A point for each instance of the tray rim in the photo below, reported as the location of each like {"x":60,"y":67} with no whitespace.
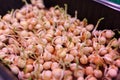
{"x":109,"y":4}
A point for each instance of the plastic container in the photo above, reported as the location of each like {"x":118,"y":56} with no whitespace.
{"x":90,"y":9}
{"x":114,"y":4}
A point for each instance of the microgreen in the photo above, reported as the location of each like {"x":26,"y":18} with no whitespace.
{"x":98,"y":22}
{"x":25,"y":1}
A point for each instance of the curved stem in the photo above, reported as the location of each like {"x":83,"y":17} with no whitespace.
{"x":98,"y":23}
{"x":25,"y":1}
{"x":109,"y":44}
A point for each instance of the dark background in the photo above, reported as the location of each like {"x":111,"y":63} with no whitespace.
{"x":92,"y":11}
{"x":86,"y":9}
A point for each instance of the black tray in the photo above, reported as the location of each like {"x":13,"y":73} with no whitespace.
{"x":86,"y":9}
{"x":91,"y":10}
